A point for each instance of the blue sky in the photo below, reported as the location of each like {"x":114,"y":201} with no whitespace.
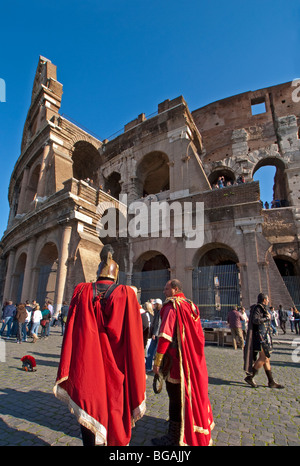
{"x":117,"y":59}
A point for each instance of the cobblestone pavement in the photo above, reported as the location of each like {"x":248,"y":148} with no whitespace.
{"x":31,"y":415}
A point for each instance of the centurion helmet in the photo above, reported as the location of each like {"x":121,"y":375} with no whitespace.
{"x":108,"y":268}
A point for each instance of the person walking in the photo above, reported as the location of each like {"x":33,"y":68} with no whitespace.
{"x":8,"y":315}
{"x":296,"y":314}
{"x":244,"y":321}
{"x":274,"y":320}
{"x":45,"y":322}
{"x":21,"y":314}
{"x":283,"y":317}
{"x":101,"y":373}
{"x":259,"y":343}
{"x":63,"y":316}
{"x":181,"y":345}
{"x":154,"y":330}
{"x":36,"y":318}
{"x":234,"y":319}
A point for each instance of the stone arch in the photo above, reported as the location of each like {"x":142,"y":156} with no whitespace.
{"x":280,"y":189}
{"x":151,"y":271}
{"x":86,"y":162}
{"x":215,"y":254}
{"x":222,"y":171}
{"x":112,"y":184}
{"x":216,"y":280}
{"x":152,"y":174}
{"x":46,"y":270}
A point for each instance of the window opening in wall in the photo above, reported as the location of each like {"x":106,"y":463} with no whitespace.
{"x":258,"y":106}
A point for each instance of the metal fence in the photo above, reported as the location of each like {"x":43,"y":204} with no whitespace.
{"x":151,"y":283}
{"x":216,"y":290}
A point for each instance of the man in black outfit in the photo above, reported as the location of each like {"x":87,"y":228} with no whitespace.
{"x":259,"y":345}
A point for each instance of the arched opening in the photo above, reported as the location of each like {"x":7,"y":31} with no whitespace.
{"x":289,"y":272}
{"x":216,"y":281}
{"x":150,"y":274}
{"x":47,"y":264}
{"x":112,"y":185}
{"x":273,"y":190}
{"x":86,"y":162}
{"x":153,"y":174}
{"x":221,"y":178}
{"x":18,"y":278}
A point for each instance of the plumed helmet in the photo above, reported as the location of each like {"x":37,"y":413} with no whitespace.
{"x":108,"y":268}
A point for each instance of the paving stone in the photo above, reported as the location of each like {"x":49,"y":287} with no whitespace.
{"x":31,"y":415}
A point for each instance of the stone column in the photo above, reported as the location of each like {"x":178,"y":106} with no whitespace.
{"x":62,"y":267}
{"x":42,"y":177}
{"x":22,"y":197}
{"x":10,"y":268}
{"x":26,"y":289}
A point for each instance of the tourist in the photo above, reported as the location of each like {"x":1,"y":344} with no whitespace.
{"x":274,"y":320}
{"x":244,"y":321}
{"x":63,"y":316}
{"x":154,"y":331}
{"x":296,"y":314}
{"x":101,"y":374}
{"x":259,"y":343}
{"x":181,"y":331}
{"x":45,"y":322}
{"x":283,"y":317}
{"x":35,"y":319}
{"x":25,"y":327}
{"x":234,"y":319}
{"x":20,"y":317}
{"x":8,"y":314}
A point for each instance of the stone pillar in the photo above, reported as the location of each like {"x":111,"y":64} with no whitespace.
{"x":10,"y":268}
{"x":42,"y":177}
{"x":26,"y":289}
{"x":62,"y":267}
{"x":22,"y":197}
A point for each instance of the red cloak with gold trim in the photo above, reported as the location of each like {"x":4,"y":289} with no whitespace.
{"x":101,"y":374}
{"x":182,"y":316}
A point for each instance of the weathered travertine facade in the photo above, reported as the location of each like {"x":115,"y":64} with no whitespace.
{"x":176,"y":156}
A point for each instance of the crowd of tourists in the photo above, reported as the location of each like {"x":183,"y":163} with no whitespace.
{"x":29,"y":321}
{"x":279,"y":319}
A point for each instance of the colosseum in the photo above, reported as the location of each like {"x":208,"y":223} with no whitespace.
{"x":70,"y":193}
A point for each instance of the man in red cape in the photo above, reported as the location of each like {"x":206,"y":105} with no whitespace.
{"x":181,"y":338}
{"x":101,"y":375}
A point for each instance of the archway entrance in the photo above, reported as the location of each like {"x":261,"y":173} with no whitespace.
{"x":150,"y":274}
{"x":270,"y":174}
{"x":86,"y":161}
{"x":47,"y":269}
{"x":153,"y":174}
{"x":216,"y":282}
{"x":290,"y":275}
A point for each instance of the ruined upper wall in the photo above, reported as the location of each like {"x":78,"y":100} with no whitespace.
{"x":217,"y":121}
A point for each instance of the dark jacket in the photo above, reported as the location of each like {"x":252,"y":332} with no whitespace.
{"x":258,"y":335}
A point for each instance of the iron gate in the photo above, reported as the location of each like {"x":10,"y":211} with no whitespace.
{"x":151,"y":283}
{"x":216,"y":290}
